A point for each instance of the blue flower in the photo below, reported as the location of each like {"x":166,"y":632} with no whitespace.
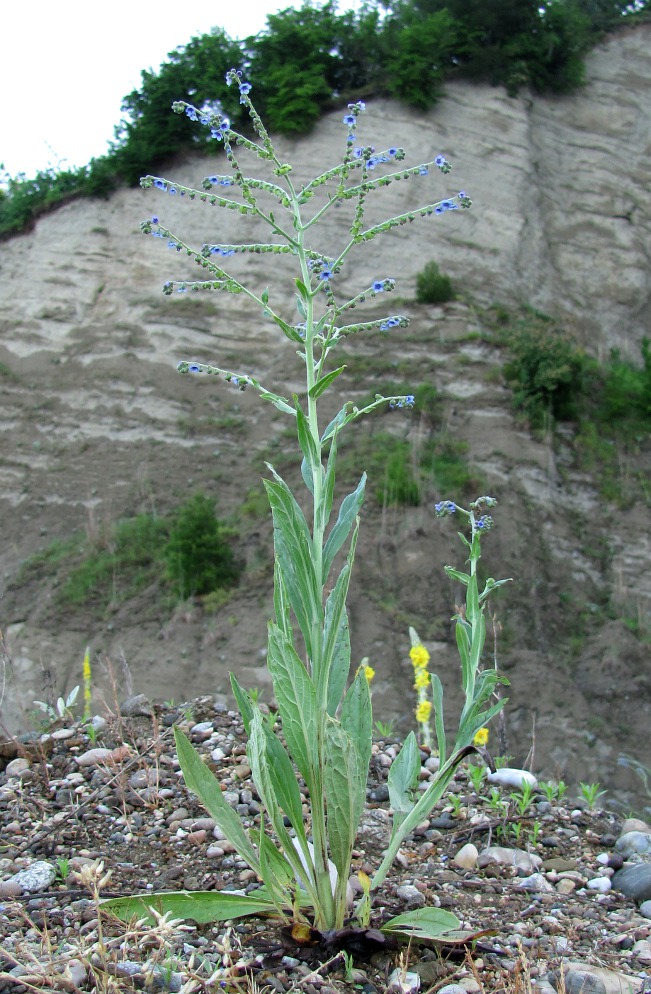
{"x":154,"y":220}
{"x":440,"y":161}
{"x":445,"y":507}
{"x":350,"y":120}
{"x":424,"y":171}
{"x":245,"y":88}
{"x":191,"y":113}
{"x":172,"y":189}
{"x":325,"y":274}
{"x":357,"y":153}
{"x":378,"y":286}
{"x":410,"y":400}
{"x":462,"y":195}
{"x":160,"y":184}
{"x":194,"y":367}
{"x":214,"y":180}
{"x":392,"y":151}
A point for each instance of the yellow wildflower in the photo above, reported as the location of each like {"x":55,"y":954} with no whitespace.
{"x":423,"y":711}
{"x":419,"y":656}
{"x":422,"y":679}
{"x":369,"y":672}
{"x":481,"y":737}
{"x":87,"y":680}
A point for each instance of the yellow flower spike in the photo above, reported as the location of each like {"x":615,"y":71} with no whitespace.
{"x":87,"y":681}
{"x":422,"y":679}
{"x":423,"y":711}
{"x":481,"y":737}
{"x":419,"y":656}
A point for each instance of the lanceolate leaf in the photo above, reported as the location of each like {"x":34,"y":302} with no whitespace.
{"x":335,"y":660}
{"x":201,"y":906}
{"x":244,"y":703}
{"x":205,"y":785}
{"x":344,"y":780}
{"x":424,"y":924}
{"x":296,"y":698}
{"x":290,"y":332}
{"x":348,"y":511}
{"x":305,"y":439}
{"x":403,"y":780}
{"x":357,"y":718}
{"x":322,"y":385}
{"x":293,"y":546}
{"x":439,"y":726}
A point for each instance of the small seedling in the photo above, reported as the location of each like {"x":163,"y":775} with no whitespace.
{"x":63,"y":707}
{"x":523,"y":799}
{"x":385,"y":729}
{"x":456,"y":803}
{"x":496,"y":802}
{"x":536,"y":829}
{"x":591,"y":793}
{"x":62,"y":868}
{"x":476,"y":776}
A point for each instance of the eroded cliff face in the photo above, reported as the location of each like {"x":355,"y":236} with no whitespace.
{"x":98,"y":425}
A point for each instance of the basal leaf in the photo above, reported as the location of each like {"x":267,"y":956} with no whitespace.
{"x":437,"y":707}
{"x":205,"y":785}
{"x":424,"y":924}
{"x":357,"y":718}
{"x":403,"y":780}
{"x":296,"y":698}
{"x":201,"y":906}
{"x":344,"y":780}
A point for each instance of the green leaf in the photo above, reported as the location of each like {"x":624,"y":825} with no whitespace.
{"x":202,"y":906}
{"x":322,"y":384}
{"x":437,"y":707}
{"x":424,"y":924}
{"x":296,"y":698}
{"x":305,"y":437}
{"x":277,"y":874}
{"x":357,"y":718}
{"x":403,"y":780}
{"x":293,"y":547}
{"x":348,"y":511}
{"x":300,"y":307}
{"x":306,"y":473}
{"x":264,"y":296}
{"x":205,"y":785}
{"x":328,"y":485}
{"x":244,"y":703}
{"x":263,"y":777}
{"x":334,"y":665}
{"x":344,"y":781}
{"x":302,"y":289}
{"x":455,"y":574}
{"x":289,"y":332}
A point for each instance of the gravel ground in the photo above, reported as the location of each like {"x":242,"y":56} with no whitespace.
{"x":119,"y":821}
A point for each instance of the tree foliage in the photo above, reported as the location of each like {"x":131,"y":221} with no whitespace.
{"x":316,"y":58}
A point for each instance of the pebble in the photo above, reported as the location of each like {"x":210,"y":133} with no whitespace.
{"x":467,"y":857}
{"x":411,"y":896}
{"x":633,"y":842}
{"x":635,"y":825}
{"x":62,"y":733}
{"x":138,"y":705}
{"x":404,"y":981}
{"x":645,"y":909}
{"x":527,"y":862}
{"x":601,"y":884}
{"x":576,"y":982}
{"x":634,"y":881}
{"x":535,"y":882}
{"x":34,"y":878}
{"x":16,"y":767}
{"x":642,"y":950}
{"x":510,"y":777}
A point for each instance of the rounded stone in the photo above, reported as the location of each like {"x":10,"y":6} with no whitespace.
{"x":466,"y":858}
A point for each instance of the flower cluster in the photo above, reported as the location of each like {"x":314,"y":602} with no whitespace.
{"x":407,"y":401}
{"x":419,"y":657}
{"x":445,"y":507}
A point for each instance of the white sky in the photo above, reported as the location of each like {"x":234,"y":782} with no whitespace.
{"x":65,"y":66}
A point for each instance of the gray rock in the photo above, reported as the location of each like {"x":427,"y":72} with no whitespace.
{"x":467,"y":857}
{"x":633,"y":842}
{"x":137,"y":706}
{"x":524,"y":861}
{"x":17,"y":767}
{"x":576,"y":982}
{"x":634,"y":881}
{"x":536,"y":882}
{"x":411,"y":896}
{"x":645,"y":909}
{"x":36,"y":877}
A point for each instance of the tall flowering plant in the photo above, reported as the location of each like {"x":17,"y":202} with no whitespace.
{"x":326,"y":720}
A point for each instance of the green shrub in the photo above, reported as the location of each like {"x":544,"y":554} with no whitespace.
{"x":198,"y":557}
{"x":627,"y":388}
{"x":432,"y":287}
